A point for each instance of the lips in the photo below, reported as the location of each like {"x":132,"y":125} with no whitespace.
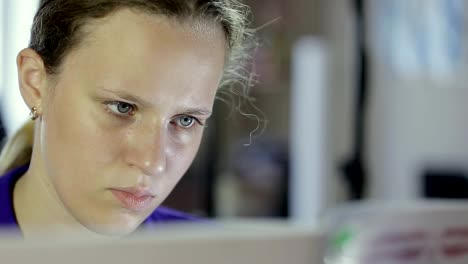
{"x":133,"y":199}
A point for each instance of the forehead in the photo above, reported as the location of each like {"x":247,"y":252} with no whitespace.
{"x":136,"y":22}
{"x":137,"y":50}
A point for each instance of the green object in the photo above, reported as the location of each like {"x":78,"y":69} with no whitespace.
{"x":341,"y":239}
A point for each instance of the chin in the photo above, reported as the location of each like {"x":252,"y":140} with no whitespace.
{"x":113,"y":230}
{"x":120,"y":227}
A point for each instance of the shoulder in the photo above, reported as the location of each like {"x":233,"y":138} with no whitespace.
{"x":7,"y":183}
{"x":10,"y":177}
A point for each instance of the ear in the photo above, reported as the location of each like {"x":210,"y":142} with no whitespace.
{"x":32,"y":77}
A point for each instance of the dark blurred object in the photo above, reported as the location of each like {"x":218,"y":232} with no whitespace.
{"x":354,"y":170}
{"x":194,"y":192}
{"x":2,"y":135}
{"x":451,"y":184}
{"x":261,"y":173}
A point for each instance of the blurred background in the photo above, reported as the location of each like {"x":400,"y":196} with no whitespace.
{"x":363,"y":100}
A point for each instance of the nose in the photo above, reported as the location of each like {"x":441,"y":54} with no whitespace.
{"x":147,"y":150}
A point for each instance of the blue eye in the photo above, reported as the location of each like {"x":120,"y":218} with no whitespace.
{"x":121,"y":108}
{"x":185,"y":121}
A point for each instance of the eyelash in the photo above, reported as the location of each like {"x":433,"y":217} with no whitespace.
{"x":116,"y":104}
{"x":192,"y":126}
{"x":134,"y":108}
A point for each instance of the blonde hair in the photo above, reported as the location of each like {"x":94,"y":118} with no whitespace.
{"x":18,"y":149}
{"x":57,"y":30}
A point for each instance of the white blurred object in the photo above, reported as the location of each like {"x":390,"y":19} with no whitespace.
{"x":309,"y":152}
{"x":17,"y":19}
{"x":259,"y":242}
{"x":420,"y":37}
{"x":424,"y":232}
{"x":2,"y":25}
{"x":417,"y":116}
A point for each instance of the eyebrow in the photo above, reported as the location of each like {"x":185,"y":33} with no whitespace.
{"x":141,"y":101}
{"x":197,"y":111}
{"x":129,"y":97}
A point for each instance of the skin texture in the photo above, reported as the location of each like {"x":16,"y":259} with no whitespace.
{"x":86,"y":143}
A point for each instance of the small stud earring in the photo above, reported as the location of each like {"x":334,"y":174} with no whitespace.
{"x":33,"y":114}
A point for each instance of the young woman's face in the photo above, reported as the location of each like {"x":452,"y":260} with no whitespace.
{"x":125,"y":118}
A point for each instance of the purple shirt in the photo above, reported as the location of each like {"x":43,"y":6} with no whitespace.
{"x":8,"y":218}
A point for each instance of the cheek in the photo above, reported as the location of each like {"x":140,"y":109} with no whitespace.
{"x":180,"y":157}
{"x":75,"y":147}
{"x":186,"y":147}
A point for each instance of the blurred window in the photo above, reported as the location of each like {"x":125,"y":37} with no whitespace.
{"x":1,"y":45}
{"x":16,"y":17}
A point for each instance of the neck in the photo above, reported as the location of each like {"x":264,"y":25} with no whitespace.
{"x":39,"y":210}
